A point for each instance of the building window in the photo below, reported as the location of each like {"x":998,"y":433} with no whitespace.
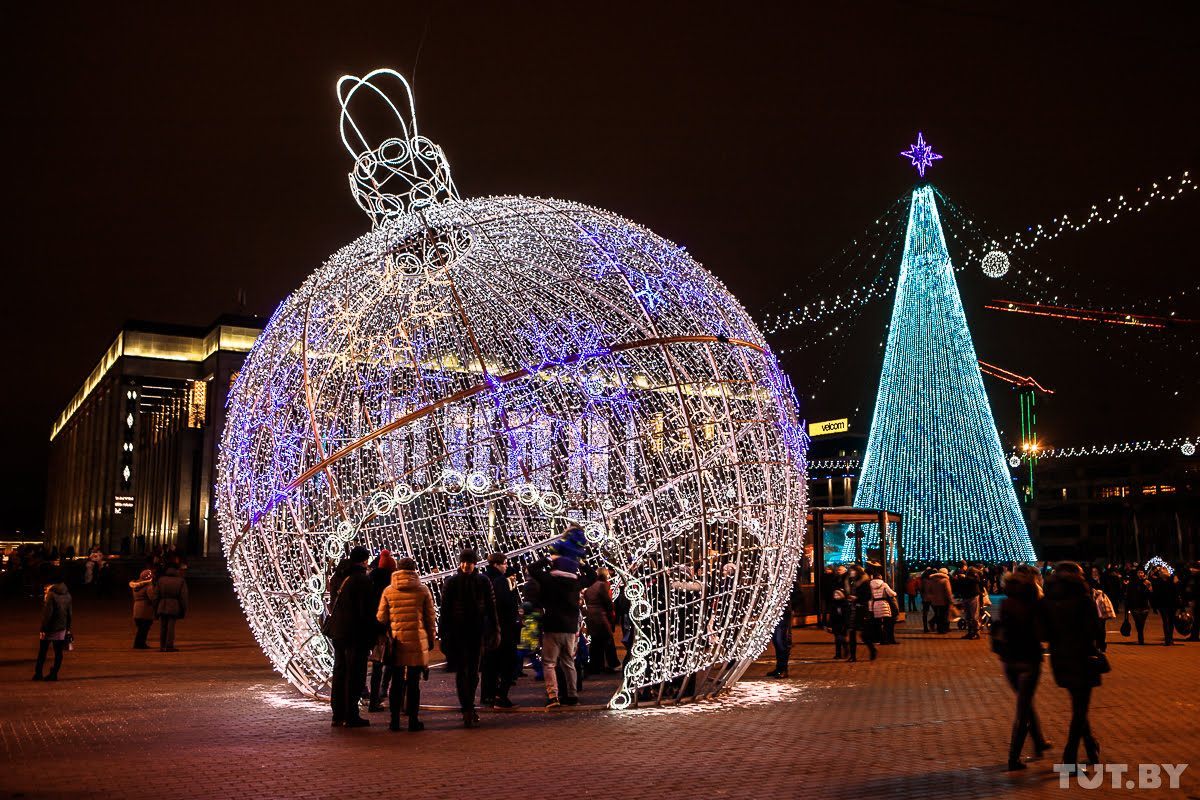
{"x":1114,"y":491}
{"x":197,"y":403}
{"x":1159,"y":489}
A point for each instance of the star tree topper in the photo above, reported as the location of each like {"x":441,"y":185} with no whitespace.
{"x":921,"y":155}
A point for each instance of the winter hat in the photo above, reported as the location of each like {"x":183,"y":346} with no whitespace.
{"x":944,"y":571}
{"x":571,"y":545}
{"x":385,"y":560}
{"x":407,"y":563}
{"x":566,"y":564}
{"x":146,"y":575}
{"x":468,"y":556}
{"x":359,"y":554}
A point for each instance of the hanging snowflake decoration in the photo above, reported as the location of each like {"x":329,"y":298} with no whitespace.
{"x":487,"y":372}
{"x":1188,"y":449}
{"x":995,"y":264}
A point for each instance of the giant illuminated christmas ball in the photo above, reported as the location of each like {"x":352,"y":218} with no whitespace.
{"x":487,"y":373}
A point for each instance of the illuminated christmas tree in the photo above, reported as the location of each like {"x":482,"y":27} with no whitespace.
{"x":934,"y":454}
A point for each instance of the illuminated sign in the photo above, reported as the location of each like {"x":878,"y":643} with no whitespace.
{"x":122,"y":503}
{"x":828,"y":426}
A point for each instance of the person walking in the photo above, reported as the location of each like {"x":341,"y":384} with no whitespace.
{"x":1071,"y":627}
{"x":1137,"y":602}
{"x":468,"y":619}
{"x":55,"y":629}
{"x":939,"y":595}
{"x":353,"y":628}
{"x":862,"y":621}
{"x":558,"y":593}
{"x":1164,"y":598}
{"x":884,"y":608}
{"x":406,"y":612}
{"x":967,"y":587}
{"x":171,"y":604}
{"x":144,"y":596}
{"x":1017,"y":638}
{"x":499,"y":664}
{"x":381,"y":671}
{"x":601,"y":619}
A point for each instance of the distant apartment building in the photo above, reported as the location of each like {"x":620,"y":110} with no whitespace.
{"x":133,"y":454}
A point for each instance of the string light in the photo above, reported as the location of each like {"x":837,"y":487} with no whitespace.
{"x":1103,"y":213}
{"x":1184,"y":444}
{"x":933,"y":453}
{"x":486,"y":372}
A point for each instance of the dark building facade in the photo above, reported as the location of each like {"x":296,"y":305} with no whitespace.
{"x":1122,"y":506}
{"x":133,"y":455}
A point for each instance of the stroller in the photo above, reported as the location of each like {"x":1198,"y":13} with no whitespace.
{"x":985,"y":616}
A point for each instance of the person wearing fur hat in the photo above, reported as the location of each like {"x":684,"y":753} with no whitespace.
{"x":468,"y":622}
{"x":353,"y":628}
{"x":558,"y":593}
{"x":144,"y":599}
{"x":406,"y":610}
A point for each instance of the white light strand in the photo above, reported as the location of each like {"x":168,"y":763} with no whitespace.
{"x":484,"y":372}
{"x":1103,"y":213}
{"x":1184,"y":444}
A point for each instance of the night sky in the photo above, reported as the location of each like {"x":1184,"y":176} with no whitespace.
{"x":162,"y":156}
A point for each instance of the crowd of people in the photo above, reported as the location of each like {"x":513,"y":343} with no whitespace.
{"x":558,"y":615}
{"x":159,"y":592}
{"x":1065,"y":607}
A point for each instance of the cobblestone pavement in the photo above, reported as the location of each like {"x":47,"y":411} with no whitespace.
{"x":929,"y":719}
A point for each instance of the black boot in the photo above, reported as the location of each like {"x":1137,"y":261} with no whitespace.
{"x":415,"y":724}
{"x":394,"y":725}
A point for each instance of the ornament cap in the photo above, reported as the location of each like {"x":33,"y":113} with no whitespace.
{"x":405,"y":171}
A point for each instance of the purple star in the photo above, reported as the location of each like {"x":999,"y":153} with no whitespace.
{"x":921,"y":154}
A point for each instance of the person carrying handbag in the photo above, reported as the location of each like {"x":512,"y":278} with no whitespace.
{"x":55,"y":629}
{"x":406,"y":612}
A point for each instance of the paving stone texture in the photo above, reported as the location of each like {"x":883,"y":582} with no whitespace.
{"x":929,"y":720}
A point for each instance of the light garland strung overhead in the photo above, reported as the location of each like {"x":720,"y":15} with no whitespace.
{"x":488,"y":372}
{"x":1103,"y":213}
{"x":1184,"y":444}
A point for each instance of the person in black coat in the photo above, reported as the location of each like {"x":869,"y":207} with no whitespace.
{"x":862,"y":621}
{"x":1164,"y":597}
{"x":467,"y":620}
{"x":1017,"y":638}
{"x":559,"y":596}
{"x":1137,"y":602}
{"x":353,"y":628}
{"x":1071,"y":625}
{"x":499,"y":665}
